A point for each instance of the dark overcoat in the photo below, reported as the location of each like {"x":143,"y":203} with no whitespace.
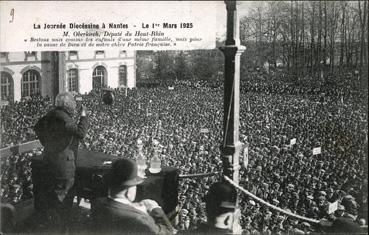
{"x":58,"y":133}
{"x":112,"y":217}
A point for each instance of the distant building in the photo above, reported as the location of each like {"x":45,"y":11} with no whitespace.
{"x":24,"y":74}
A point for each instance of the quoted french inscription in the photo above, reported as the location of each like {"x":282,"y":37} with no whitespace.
{"x":112,"y":35}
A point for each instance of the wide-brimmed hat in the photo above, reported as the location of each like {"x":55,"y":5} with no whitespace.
{"x":123,"y":173}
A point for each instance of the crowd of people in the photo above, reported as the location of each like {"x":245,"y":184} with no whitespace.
{"x":17,"y":119}
{"x":16,"y":177}
{"x":187,"y":122}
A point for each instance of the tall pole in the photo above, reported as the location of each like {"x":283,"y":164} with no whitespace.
{"x":232,"y":50}
{"x":58,"y":72}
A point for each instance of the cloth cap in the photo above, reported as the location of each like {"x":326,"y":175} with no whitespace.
{"x":184,"y":211}
{"x":348,"y":197}
{"x":323,"y":193}
{"x":306,"y":224}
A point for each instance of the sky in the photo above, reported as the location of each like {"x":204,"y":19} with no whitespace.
{"x":243,"y":8}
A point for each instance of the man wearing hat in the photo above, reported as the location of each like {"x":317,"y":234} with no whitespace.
{"x":340,"y":211}
{"x":119,"y":213}
{"x":330,"y":195}
{"x":347,"y":221}
{"x":220,"y":208}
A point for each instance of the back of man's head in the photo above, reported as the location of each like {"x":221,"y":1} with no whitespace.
{"x":220,"y":199}
{"x":351,"y":206}
{"x":65,"y":100}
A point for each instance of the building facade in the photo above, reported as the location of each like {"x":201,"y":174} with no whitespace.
{"x":24,"y":74}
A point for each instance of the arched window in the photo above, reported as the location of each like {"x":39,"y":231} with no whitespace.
{"x":99,"y":77}
{"x":6,"y":86}
{"x":73,"y":80}
{"x":30,"y":83}
{"x":122,"y":75}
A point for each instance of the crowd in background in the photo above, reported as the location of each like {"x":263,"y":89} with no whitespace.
{"x":187,"y":122}
{"x":17,"y":119}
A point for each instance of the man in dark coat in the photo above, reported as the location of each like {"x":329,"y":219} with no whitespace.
{"x":347,"y":223}
{"x":59,"y":135}
{"x":220,"y":210}
{"x":119,"y":214}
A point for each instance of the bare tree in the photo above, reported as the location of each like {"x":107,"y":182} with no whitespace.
{"x":309,"y":37}
{"x":312,"y":36}
{"x":343,"y":32}
{"x":363,"y":22}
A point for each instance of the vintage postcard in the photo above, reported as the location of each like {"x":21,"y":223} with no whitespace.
{"x":184,"y":117}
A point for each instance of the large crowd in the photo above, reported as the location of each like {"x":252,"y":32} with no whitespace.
{"x":18,"y":119}
{"x":187,"y":122}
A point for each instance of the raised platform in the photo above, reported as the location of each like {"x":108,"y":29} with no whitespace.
{"x":90,"y":184}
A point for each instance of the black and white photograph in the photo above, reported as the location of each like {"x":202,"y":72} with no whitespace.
{"x":184,"y":117}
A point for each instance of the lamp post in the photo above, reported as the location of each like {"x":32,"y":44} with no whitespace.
{"x":232,"y":50}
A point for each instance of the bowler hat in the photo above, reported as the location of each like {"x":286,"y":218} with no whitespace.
{"x":124,"y":173}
